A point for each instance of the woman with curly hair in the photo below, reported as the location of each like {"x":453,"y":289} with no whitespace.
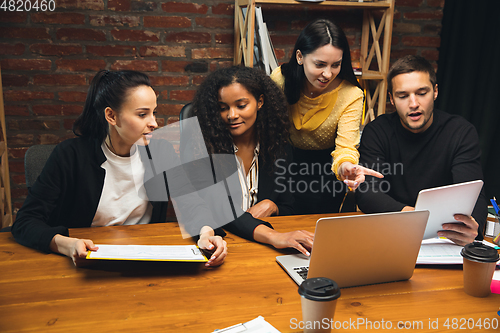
{"x":242,"y":112}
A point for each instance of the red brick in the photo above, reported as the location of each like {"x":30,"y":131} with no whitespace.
{"x":25,"y":33}
{"x":280,"y":53}
{"x":189,"y":37}
{"x":16,"y":110}
{"x":135,"y":35}
{"x":19,"y":193}
{"x":16,"y":166}
{"x":169,"y":80}
{"x":182,"y":95}
{"x":136,"y":65}
{"x":58,"y":18}
{"x":212,"y":53}
{"x":72,"y":96}
{"x":68,"y":123}
{"x":81,"y":4}
{"x":435,"y":3}
{"x":198,"y":79}
{"x":56,"y":110}
{"x":11,"y":49}
{"x":432,"y":29}
{"x":67,"y":34}
{"x":56,"y":50}
{"x":169,"y":109}
{"x":23,"y":95}
{"x":215,"y":22}
{"x":223,"y":9}
{"x":434,"y":15}
{"x":224,"y":38}
{"x":181,"y":7}
{"x":163,"y":51}
{"x":56,"y":79}
{"x":119,"y":5}
{"x":9,"y":80}
{"x":111,"y":50}
{"x":409,"y":3}
{"x":20,"y":140}
{"x":421,"y":41}
{"x":114,"y":20}
{"x":406,"y":28}
{"x":18,"y":179}
{"x":32,"y":124}
{"x":77,"y":65}
{"x":14,"y":17}
{"x":431,"y":55}
{"x":166,"y":22}
{"x":160,"y":121}
{"x":396,"y":54}
{"x":143,"y":6}
{"x":224,"y":64}
{"x":51,"y":139}
{"x":174,"y":66}
{"x":283,"y":39}
{"x":17,"y":152}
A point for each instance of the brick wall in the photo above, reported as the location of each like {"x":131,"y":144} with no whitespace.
{"x":49,"y":58}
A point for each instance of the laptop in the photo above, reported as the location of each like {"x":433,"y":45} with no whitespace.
{"x":361,"y":249}
{"x":445,"y":201}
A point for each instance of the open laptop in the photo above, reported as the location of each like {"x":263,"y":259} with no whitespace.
{"x":361,"y":249}
{"x":445,"y":201}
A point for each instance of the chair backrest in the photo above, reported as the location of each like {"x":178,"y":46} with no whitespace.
{"x":186,"y":112}
{"x":34,"y":160}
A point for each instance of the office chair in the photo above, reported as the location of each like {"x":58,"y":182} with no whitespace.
{"x":186,"y":112}
{"x":34,"y":161}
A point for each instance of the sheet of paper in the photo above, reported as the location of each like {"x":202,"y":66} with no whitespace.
{"x":257,"y":325}
{"x":148,"y":252}
{"x":441,"y":251}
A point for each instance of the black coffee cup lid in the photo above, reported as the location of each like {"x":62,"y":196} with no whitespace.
{"x":319,"y":289}
{"x":479,"y":252}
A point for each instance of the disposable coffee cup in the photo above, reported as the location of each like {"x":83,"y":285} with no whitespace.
{"x":319,"y":299}
{"x":479,"y":265}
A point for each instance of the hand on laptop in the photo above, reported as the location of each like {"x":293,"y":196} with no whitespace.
{"x":460,"y":233}
{"x":301,"y":240}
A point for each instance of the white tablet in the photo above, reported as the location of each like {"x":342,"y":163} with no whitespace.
{"x":445,"y":201}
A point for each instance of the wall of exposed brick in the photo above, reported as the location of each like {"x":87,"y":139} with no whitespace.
{"x":49,"y":58}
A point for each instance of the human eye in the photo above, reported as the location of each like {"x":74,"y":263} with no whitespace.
{"x":336,"y":65}
{"x":242,"y":106}
{"x":402,"y":96}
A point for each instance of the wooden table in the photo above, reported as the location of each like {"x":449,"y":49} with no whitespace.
{"x":40,"y":292}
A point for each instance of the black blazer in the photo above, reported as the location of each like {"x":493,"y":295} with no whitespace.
{"x":67,"y":193}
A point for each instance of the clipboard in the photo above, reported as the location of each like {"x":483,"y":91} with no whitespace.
{"x":179,"y":253}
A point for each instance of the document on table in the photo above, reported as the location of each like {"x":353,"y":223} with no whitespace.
{"x":257,"y":325}
{"x":441,"y":251}
{"x":190,"y":253}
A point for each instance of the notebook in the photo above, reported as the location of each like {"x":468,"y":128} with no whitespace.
{"x":361,"y":249}
{"x":445,"y":201}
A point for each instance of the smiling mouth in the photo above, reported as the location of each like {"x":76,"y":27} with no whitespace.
{"x":323,"y":81}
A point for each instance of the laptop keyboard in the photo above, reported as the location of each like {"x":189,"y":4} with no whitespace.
{"x":302,"y":271}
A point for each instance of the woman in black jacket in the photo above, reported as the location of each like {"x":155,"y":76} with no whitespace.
{"x":92,"y":180}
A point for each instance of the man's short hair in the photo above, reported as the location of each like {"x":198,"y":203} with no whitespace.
{"x":409,"y":64}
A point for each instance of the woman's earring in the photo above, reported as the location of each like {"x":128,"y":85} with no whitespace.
{"x":300,"y":63}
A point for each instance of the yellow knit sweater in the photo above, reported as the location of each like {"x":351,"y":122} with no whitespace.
{"x":331,"y":119}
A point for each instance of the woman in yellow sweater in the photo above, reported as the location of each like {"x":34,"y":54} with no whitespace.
{"x":325,"y":105}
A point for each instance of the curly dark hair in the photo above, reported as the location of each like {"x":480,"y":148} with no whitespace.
{"x":272,"y":121}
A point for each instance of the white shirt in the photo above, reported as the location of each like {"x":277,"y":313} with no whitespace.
{"x":250,"y":182}
{"x":123,"y":198}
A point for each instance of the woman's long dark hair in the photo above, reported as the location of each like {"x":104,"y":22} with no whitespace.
{"x":316,"y":34}
{"x":106,"y":89}
{"x":272,"y":121}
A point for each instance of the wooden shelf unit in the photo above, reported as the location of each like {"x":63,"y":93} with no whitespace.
{"x":6,"y":203}
{"x":372,"y":53}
